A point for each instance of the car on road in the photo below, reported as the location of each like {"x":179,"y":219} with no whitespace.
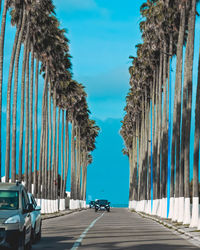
{"x":15,"y":218}
{"x":92,"y":204}
{"x":102,"y":205}
{"x":36,"y":219}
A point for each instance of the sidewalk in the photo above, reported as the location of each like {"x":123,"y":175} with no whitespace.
{"x":189,"y":233}
{"x":60,"y":213}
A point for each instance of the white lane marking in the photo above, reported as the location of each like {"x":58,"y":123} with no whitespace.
{"x":78,"y":242}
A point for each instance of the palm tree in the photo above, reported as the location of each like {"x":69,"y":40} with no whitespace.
{"x":31,"y":120}
{"x":35,"y":128}
{"x":2,"y":38}
{"x":10,"y":76}
{"x":176,"y":113}
{"x":187,"y":103}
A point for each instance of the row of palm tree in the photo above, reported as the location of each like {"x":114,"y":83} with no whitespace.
{"x":156,"y":128}
{"x":41,"y":47}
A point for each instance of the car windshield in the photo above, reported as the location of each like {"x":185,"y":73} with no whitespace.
{"x":103,"y":202}
{"x":9,"y":200}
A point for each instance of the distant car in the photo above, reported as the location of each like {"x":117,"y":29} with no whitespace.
{"x":102,"y":205}
{"x":15,"y":218}
{"x":36,"y":219}
{"x":92,"y":204}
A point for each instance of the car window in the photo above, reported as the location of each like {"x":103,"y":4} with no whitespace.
{"x":24,"y":200}
{"x":33,"y":201}
{"x":103,"y":202}
{"x":9,"y":200}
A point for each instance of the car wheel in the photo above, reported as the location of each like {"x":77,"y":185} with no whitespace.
{"x":21,"y":244}
{"x":33,"y":235}
{"x":39,"y":234}
{"x":29,"y":245}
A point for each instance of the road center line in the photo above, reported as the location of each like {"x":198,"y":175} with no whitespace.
{"x":78,"y":242}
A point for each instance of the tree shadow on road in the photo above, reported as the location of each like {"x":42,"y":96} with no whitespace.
{"x":148,"y":246}
{"x":57,"y":243}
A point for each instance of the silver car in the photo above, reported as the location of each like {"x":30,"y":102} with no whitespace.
{"x":36,"y":219}
{"x":15,"y":218}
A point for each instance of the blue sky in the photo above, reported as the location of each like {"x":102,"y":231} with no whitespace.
{"x":102,"y":34}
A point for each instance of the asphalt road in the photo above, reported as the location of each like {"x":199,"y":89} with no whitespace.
{"x":119,"y":229}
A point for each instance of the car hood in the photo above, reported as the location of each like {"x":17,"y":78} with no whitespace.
{"x":5,"y":214}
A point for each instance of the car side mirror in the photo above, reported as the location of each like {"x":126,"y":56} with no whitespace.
{"x":30,"y":208}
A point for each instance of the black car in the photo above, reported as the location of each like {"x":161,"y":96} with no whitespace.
{"x":92,"y":204}
{"x":102,"y":205}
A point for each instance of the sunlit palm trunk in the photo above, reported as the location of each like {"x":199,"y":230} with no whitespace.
{"x":186,"y":115}
{"x":62,"y":159}
{"x":72,"y":162}
{"x":54,"y":144}
{"x":57,"y":151}
{"x":27,"y":120}
{"x":78,"y":164}
{"x":31,"y":121}
{"x":2,"y":37}
{"x":130,"y":157}
{"x":153,"y":142}
{"x":195,"y":202}
{"x":133,"y":175}
{"x":188,"y":74}
{"x":66,"y":153}
{"x":46,"y":150}
{"x":50,"y":142}
{"x":8,"y":110}
{"x":43,"y":174}
{"x":164,"y":136}
{"x":36,"y":128}
{"x":42,"y":139}
{"x":156,"y":188}
{"x":14,"y":110}
{"x":177,"y":114}
{"x":159,"y":127}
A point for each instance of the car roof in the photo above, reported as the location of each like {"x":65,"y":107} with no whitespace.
{"x":11,"y":186}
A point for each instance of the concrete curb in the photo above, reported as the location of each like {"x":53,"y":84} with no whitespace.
{"x":171,"y":226}
{"x":61,"y":213}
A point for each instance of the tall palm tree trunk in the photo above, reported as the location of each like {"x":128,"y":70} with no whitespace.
{"x":46,"y":147}
{"x":57,"y":151}
{"x":27,"y":120}
{"x":195,"y":193}
{"x":72,"y":162}
{"x":50,"y":146}
{"x":2,"y":38}
{"x":8,"y":110}
{"x":54,"y":144}
{"x":36,"y":127}
{"x":159,"y":127}
{"x":25,"y":56}
{"x":78,"y":164}
{"x":177,"y":112}
{"x":42,"y":137}
{"x":66,"y":153}
{"x":14,"y":111}
{"x":62,"y":159}
{"x":31,"y":121}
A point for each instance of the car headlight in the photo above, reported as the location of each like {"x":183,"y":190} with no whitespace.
{"x":13,"y":220}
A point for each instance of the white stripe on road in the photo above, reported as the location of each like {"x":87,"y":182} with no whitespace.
{"x":78,"y":242}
